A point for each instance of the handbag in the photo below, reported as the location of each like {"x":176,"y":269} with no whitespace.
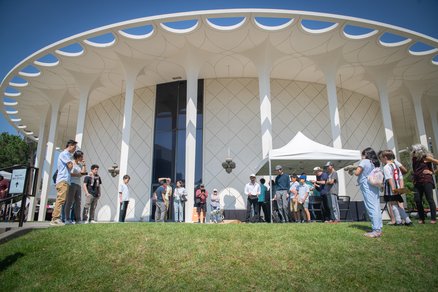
{"x":183,"y":198}
{"x":376,"y":177}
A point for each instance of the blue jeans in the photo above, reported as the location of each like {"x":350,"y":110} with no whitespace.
{"x":72,"y":213}
{"x":178,"y":210}
{"x":336,"y":213}
{"x":371,"y":199}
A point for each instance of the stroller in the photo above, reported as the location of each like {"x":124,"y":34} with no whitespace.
{"x":217,"y":215}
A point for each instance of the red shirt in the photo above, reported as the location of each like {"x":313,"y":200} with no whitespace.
{"x":4,"y":184}
{"x":419,"y":166}
{"x":203,"y":197}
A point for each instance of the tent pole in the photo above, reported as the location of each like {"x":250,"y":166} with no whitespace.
{"x":271,"y":186}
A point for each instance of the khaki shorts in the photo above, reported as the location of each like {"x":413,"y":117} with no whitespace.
{"x":294,"y":205}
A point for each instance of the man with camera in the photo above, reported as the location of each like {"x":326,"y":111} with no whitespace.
{"x":200,"y":201}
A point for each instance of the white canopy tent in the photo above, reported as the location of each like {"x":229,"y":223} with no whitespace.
{"x":302,"y":154}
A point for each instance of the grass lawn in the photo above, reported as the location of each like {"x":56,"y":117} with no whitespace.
{"x":226,"y":257}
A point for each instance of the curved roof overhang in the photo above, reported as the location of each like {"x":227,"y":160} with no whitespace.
{"x":171,"y":45}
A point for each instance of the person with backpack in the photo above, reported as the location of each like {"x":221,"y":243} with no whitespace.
{"x":393,"y":212}
{"x":370,"y":192}
{"x":393,"y":183}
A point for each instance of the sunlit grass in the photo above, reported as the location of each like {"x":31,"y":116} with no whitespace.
{"x":149,"y":256}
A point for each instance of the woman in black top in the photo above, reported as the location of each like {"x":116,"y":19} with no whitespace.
{"x":422,"y":165}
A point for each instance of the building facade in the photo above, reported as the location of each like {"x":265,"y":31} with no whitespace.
{"x":175,"y":95}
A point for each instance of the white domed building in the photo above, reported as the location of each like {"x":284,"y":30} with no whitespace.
{"x":175,"y":95}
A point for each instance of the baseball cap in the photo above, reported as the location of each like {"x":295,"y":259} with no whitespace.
{"x":329,"y":163}
{"x":278,"y":167}
{"x":316,"y":169}
{"x":214,"y":190}
{"x":303,"y":176}
{"x":252,"y":175}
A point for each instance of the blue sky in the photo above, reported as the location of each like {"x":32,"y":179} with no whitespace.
{"x":29,"y":25}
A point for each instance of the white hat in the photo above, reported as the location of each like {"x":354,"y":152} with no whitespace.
{"x":214,"y":190}
{"x":252,"y":175}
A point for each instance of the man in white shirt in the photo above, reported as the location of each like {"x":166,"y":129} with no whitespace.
{"x":252,"y":190}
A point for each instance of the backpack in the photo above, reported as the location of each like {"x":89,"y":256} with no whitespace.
{"x":390,"y":197}
{"x":376,"y":177}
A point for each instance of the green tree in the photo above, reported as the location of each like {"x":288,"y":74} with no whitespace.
{"x":14,"y":150}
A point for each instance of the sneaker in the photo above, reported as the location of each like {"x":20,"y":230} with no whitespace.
{"x":92,"y":221}
{"x":56,"y":222}
{"x":373,"y":234}
{"x":68,"y":222}
{"x":86,"y":222}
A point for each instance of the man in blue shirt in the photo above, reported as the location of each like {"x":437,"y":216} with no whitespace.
{"x":63,"y":180}
{"x":159,"y":196}
{"x":282,"y":184}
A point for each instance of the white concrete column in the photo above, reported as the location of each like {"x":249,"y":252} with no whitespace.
{"x":265,"y":110}
{"x":47,"y":177}
{"x":332,"y":96}
{"x":132,"y":68}
{"x":39,"y":163}
{"x":263,"y":56}
{"x":433,"y":112}
{"x":420,"y":119}
{"x":417,"y":90}
{"x":386,"y":115}
{"x":82,"y":114}
{"x":191,"y":116}
{"x":85,"y":82}
{"x":335,"y":121}
{"x":126,"y":132}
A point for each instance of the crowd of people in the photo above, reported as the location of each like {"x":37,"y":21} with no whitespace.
{"x":289,"y":201}
{"x":393,"y":186}
{"x":71,"y":167}
{"x":291,"y":195}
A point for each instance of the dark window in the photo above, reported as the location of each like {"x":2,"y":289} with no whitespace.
{"x":170,"y":133}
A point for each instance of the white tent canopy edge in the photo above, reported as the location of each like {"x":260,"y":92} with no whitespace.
{"x":302,"y":154}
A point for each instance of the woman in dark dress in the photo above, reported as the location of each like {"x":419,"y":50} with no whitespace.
{"x":422,"y":165}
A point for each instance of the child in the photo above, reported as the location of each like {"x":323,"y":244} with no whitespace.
{"x":303,"y":197}
{"x":215,"y":207}
{"x":394,"y":181}
{"x":293,"y":191}
{"x":124,"y":197}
